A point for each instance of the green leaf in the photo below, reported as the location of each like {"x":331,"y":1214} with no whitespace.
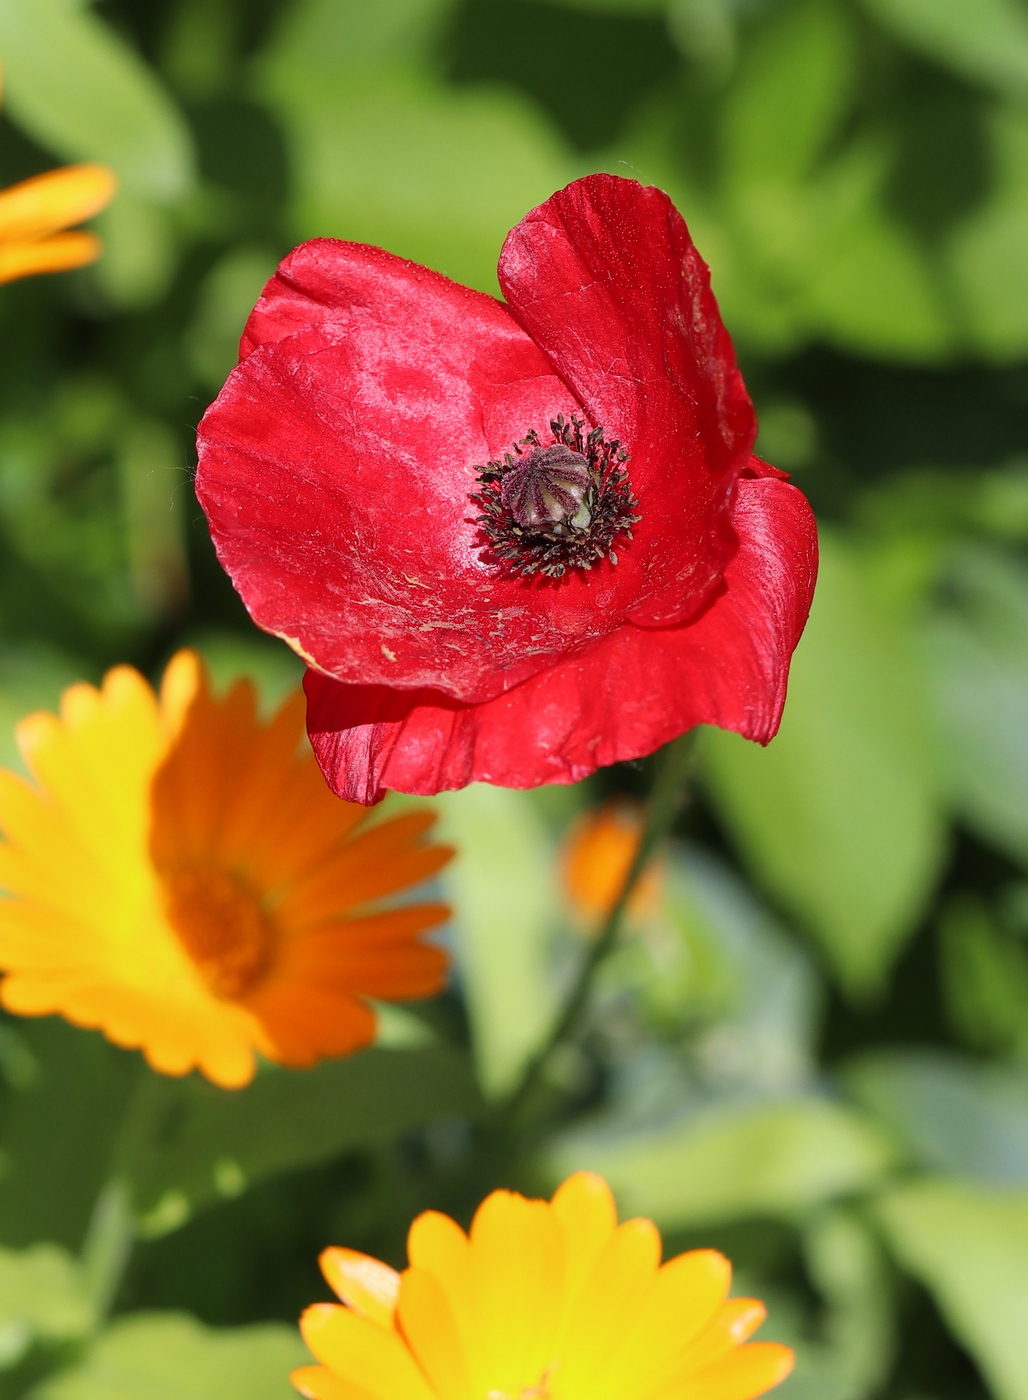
{"x":732,"y":1160}
{"x":503,"y":890}
{"x":225,"y":300}
{"x":383,"y":153}
{"x":854,"y":1333}
{"x":269,"y":663}
{"x":773,"y":129}
{"x":985,"y":254}
{"x":949,"y":1114}
{"x":43,"y":1298}
{"x":80,"y":91}
{"x":969,"y":1246}
{"x":66,"y":1110}
{"x":983,"y":971}
{"x":171,"y":1356}
{"x":978,"y":647}
{"x":216,"y":1142}
{"x":985,"y":40}
{"x":32,"y":677}
{"x":846,"y":789}
{"x":756,"y":985}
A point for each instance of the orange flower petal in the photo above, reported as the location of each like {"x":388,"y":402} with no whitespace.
{"x":138,"y":869}
{"x":59,"y":253}
{"x":53,"y":201}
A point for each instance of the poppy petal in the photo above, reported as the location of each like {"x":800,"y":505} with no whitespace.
{"x":336,"y":468}
{"x":625,"y":697}
{"x":606,"y":280}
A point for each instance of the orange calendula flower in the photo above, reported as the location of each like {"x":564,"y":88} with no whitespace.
{"x":598,"y":852}
{"x":182,"y":879}
{"x":544,"y":1301}
{"x":34,"y":213}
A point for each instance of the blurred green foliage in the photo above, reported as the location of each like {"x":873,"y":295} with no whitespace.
{"x":814,"y":1051}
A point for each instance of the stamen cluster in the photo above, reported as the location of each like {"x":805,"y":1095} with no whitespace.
{"x":548,"y":509}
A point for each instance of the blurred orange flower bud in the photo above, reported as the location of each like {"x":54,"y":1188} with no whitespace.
{"x":599,"y":849}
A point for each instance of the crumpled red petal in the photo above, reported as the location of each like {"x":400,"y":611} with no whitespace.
{"x":606,"y":280}
{"x":337,"y":463}
{"x":632,"y":692}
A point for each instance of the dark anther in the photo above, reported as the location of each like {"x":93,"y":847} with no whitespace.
{"x":547,"y":509}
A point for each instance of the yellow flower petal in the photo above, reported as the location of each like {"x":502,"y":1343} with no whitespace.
{"x":56,"y":200}
{"x":517,"y":1269}
{"x":433,"y":1334}
{"x":363,"y":1283}
{"x":743,"y":1374}
{"x":363,"y":1354}
{"x":584,"y":1205}
{"x":545,"y":1301}
{"x":614,"y":1295}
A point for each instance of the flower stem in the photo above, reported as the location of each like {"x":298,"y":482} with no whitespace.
{"x":112,"y":1233}
{"x":674,"y":767}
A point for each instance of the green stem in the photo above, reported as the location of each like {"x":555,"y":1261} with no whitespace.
{"x":674,"y":765}
{"x":111,"y":1236}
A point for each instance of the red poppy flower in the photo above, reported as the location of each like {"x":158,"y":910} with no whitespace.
{"x":514,"y":542}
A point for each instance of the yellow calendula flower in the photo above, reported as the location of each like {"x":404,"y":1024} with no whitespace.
{"x":181,"y":878}
{"x":34,"y":214}
{"x":543,"y":1301}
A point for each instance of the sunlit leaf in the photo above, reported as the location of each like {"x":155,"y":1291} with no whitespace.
{"x":81,"y":92}
{"x":986,"y":251}
{"x":85,"y":95}
{"x":385,"y":154}
{"x":978,"y":641}
{"x":763,"y":1037}
{"x":949,"y":1114}
{"x":846,"y":1353}
{"x":43,"y":1298}
{"x":503,"y":891}
{"x":226,"y":298}
{"x":773,"y":129}
{"x":969,"y":1245}
{"x":732,"y":1160}
{"x":839,"y":817}
{"x":170,"y":1356}
{"x":985,"y":40}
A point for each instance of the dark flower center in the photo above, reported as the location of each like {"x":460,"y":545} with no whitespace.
{"x":547,"y":509}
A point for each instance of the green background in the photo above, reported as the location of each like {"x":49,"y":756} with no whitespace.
{"x":813,"y":1054}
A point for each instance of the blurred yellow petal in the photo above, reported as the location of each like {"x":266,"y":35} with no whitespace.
{"x":142,"y":904}
{"x":546,"y":1301}
{"x":60,"y":253}
{"x":365,"y":1355}
{"x":54,"y":201}
{"x":432,"y":1332}
{"x":363,"y":1283}
{"x":584,"y":1205}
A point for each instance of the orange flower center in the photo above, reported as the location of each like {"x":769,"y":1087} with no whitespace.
{"x":222,"y":926}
